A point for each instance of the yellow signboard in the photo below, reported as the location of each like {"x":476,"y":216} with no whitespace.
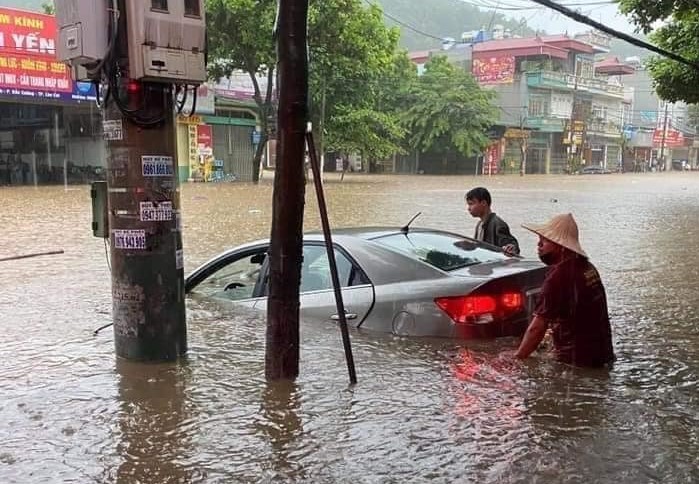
{"x":195,"y":119}
{"x":516,"y":133}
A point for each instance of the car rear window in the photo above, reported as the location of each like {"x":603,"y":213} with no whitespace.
{"x":444,"y":251}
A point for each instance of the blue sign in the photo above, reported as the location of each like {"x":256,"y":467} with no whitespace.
{"x":649,"y":116}
{"x":82,"y":91}
{"x":256,"y":137}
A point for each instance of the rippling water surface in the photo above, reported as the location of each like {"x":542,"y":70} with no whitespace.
{"x":423,"y":411}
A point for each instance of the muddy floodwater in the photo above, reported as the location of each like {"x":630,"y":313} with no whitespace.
{"x":423,"y":410}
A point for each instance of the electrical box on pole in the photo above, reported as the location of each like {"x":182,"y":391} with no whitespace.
{"x":167,"y":40}
{"x":83,"y":34}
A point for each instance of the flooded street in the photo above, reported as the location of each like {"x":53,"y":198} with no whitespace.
{"x":423,"y":410}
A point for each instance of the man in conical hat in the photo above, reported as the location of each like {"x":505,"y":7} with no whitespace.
{"x":572,"y":303}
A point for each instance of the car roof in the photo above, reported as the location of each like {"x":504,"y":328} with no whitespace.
{"x":382,"y":264}
{"x":371,"y":233}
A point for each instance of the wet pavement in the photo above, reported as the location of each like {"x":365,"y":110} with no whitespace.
{"x":423,"y":411}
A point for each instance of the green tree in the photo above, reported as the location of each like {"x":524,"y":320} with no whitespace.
{"x":693,"y":116}
{"x":48,"y":7}
{"x":353,"y":60}
{"x":449,"y":111}
{"x":351,"y":54}
{"x":370,"y":122}
{"x":679,"y":33}
{"x":240,"y":39}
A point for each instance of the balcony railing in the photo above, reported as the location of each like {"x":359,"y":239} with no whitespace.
{"x":571,"y":81}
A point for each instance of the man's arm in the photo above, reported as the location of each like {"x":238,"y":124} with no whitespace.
{"x":504,"y":238}
{"x":532,"y":338}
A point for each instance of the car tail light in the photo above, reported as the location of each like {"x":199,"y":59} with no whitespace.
{"x":481,"y":308}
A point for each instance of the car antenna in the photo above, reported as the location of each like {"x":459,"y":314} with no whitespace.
{"x":404,"y":229}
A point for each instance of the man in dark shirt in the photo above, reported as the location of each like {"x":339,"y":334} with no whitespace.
{"x":491,"y":228}
{"x":573,"y":302}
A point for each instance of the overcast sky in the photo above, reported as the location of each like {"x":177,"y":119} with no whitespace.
{"x":554,"y":22}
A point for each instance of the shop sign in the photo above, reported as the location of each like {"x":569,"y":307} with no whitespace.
{"x":492,"y":159}
{"x":205,"y":140}
{"x":494,"y":70}
{"x":194,"y":119}
{"x":673,"y":138}
{"x":28,"y":63}
{"x":516,"y":133}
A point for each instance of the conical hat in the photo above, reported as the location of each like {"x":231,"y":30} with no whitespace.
{"x":562,"y":230}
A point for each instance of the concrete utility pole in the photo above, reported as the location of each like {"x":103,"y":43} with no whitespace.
{"x":662,"y":143}
{"x":522,"y":143}
{"x":144,"y":207}
{"x":286,"y":249}
{"x":136,"y":53}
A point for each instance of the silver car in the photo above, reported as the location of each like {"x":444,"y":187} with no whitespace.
{"x":419,"y":282}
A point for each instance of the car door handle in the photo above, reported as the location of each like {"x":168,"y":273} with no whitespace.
{"x":348,"y":316}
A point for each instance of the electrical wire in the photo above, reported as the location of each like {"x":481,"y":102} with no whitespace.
{"x":106,"y":254}
{"x":615,"y":33}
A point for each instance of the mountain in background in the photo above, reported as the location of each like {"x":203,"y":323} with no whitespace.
{"x":443,"y":18}
{"x":34,"y":5}
{"x":623,"y":49}
{"x":449,"y":18}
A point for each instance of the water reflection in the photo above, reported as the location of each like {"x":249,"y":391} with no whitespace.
{"x":154,"y":423}
{"x":280,"y":423}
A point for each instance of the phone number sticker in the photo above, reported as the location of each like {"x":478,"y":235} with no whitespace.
{"x":155,"y":212}
{"x":129,"y":239}
{"x":157,"y":165}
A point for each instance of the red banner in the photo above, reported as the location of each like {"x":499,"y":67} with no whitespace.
{"x":673,"y":138}
{"x":491,"y":160}
{"x":28,"y":53}
{"x":494,"y":70}
{"x":204,"y":140}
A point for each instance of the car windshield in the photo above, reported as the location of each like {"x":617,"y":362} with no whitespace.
{"x":444,"y":251}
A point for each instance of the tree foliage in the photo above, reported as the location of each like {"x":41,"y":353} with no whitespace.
{"x":240,"y":39}
{"x":449,"y":111}
{"x":353,"y":56}
{"x":679,"y":33}
{"x":351,"y":51}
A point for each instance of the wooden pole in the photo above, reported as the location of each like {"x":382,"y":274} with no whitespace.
{"x":286,"y":247}
{"x":315,"y":166}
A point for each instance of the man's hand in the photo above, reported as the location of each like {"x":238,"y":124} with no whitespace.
{"x":510,"y":250}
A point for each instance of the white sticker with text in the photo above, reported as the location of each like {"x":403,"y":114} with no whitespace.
{"x":157,"y":165}
{"x":179,"y":259}
{"x":129,"y":239}
{"x":113,"y":130}
{"x":155,"y":211}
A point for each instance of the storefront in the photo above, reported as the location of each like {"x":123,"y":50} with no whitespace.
{"x":50,"y":128}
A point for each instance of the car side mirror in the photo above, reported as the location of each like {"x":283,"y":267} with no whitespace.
{"x":258,"y":258}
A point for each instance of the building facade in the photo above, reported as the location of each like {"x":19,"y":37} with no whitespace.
{"x":659,"y":135}
{"x":561,"y":108}
{"x":51,"y":126}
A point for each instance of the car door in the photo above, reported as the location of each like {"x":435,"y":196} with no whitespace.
{"x":317,"y":294}
{"x":235,"y":277}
